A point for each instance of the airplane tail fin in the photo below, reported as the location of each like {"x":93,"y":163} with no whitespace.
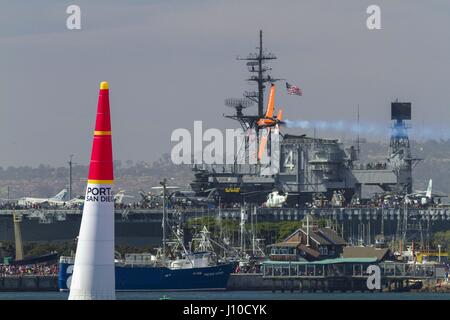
{"x":280,"y":115}
{"x":61,"y":195}
{"x":271,"y":102}
{"x":119,"y":198}
{"x":429,"y":189}
{"x":120,"y":195}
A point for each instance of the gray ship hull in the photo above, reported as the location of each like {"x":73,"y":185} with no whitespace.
{"x":142,"y":227}
{"x":64,"y":225}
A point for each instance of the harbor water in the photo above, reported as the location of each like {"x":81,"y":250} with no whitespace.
{"x":237,"y":295}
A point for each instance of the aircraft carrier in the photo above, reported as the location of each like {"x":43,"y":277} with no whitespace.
{"x":322,"y":177}
{"x":308,"y":167}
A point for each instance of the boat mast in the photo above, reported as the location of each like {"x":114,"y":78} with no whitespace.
{"x":253,"y":216}
{"x":164,"y":183}
{"x":242,"y":225}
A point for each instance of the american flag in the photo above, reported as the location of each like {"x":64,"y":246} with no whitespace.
{"x":293,"y":90}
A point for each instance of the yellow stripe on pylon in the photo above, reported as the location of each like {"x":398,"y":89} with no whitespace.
{"x":101,"y":181}
{"x":102,"y":133}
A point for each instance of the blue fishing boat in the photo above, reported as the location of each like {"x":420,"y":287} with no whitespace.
{"x":137,"y":273}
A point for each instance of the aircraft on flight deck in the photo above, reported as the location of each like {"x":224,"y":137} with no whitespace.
{"x":55,"y":200}
{"x":423,"y":197}
{"x":275,"y":200}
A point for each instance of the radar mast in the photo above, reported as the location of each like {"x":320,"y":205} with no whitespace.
{"x":259,"y":74}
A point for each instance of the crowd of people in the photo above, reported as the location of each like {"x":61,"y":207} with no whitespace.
{"x":10,"y":206}
{"x":372,"y":166}
{"x":33,"y":269}
{"x":14,"y":206}
{"x":248,"y":269}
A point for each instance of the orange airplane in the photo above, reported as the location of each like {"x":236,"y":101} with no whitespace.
{"x":269,"y":121}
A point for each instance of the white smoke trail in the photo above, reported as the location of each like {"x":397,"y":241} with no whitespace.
{"x":340,"y":125}
{"x":431,"y":132}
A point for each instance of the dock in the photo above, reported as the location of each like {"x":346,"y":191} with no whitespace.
{"x":28,"y":283}
{"x":346,"y":275}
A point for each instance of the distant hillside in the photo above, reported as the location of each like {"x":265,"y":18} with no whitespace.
{"x":46,"y":181}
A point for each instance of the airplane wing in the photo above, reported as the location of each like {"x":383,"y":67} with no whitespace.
{"x":271,"y":102}
{"x":79,"y":199}
{"x":438,"y":195}
{"x":60,"y":195}
{"x":168,"y":187}
{"x":34,"y":200}
{"x":420,"y":194}
{"x":263,"y":144}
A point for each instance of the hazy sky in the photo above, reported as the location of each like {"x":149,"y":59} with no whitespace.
{"x":172,"y":62}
